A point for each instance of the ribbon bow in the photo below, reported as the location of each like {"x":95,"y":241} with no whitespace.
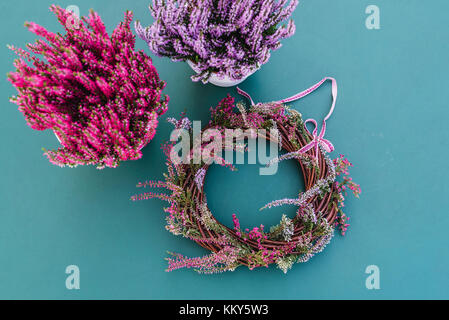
{"x":318,"y":139}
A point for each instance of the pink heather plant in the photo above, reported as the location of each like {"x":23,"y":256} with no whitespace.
{"x":100,"y":97}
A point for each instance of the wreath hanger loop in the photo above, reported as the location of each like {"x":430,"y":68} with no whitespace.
{"x":303,"y":94}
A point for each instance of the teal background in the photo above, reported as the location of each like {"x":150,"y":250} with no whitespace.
{"x":390,"y":120}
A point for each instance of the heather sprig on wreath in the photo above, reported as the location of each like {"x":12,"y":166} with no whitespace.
{"x":294,"y":239}
{"x":223,"y":37}
{"x":101,"y":98}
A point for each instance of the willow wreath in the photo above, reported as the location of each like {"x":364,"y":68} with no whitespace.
{"x":294,"y":239}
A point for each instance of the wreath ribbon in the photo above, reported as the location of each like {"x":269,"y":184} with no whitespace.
{"x":318,"y":139}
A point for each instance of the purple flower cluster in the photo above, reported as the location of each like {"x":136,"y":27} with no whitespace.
{"x":223,"y":37}
{"x":100,"y":97}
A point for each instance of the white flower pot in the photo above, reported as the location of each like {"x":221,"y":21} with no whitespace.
{"x":221,"y":81}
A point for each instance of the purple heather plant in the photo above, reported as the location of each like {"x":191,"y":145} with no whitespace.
{"x":223,"y":37}
{"x":101,"y":98}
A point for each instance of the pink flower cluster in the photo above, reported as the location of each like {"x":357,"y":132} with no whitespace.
{"x":100,"y":97}
{"x":223,"y":114}
{"x":255,"y":234}
{"x":342,"y":166}
{"x":255,"y":120}
{"x":213,"y":263}
{"x":236,"y":222}
{"x":267,"y":256}
{"x":222,"y":110}
{"x":258,"y":235}
{"x":342,"y":223}
{"x":176,"y":190}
